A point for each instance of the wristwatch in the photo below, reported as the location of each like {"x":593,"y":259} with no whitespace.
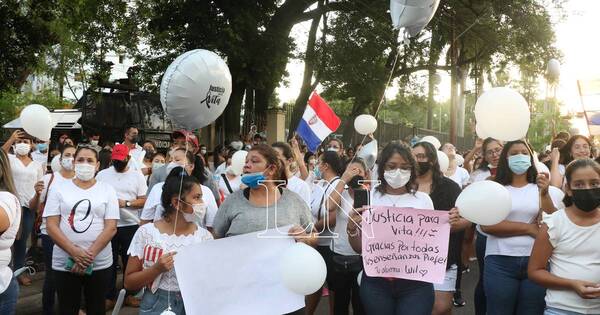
{"x":127,"y":204}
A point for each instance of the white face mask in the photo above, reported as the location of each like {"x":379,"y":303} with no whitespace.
{"x":67,"y":164}
{"x":157,"y":165}
{"x":22,"y":149}
{"x":85,"y":172}
{"x":333,"y":149}
{"x":197,"y":215}
{"x":94,"y":142}
{"x":203,"y":151}
{"x":397,"y":178}
{"x":171,"y":166}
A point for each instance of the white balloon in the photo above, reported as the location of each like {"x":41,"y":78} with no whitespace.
{"x":413,"y":15}
{"x":460,"y":160}
{"x":484,"y":202}
{"x":37,"y":121}
{"x":365,"y":124}
{"x":55,"y":163}
{"x":503,"y":114}
{"x":195,"y":89}
{"x":433,"y":140}
{"x":368,"y":153}
{"x":437,"y":78}
{"x":443,"y":160}
{"x":553,"y":69}
{"x":238,"y":159}
{"x":480,"y":132}
{"x":303,"y":270}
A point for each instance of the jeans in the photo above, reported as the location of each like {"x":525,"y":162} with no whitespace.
{"x":346,"y":290}
{"x":120,"y":244}
{"x":480,"y":303}
{"x":156,"y":303}
{"x":20,"y":245}
{"x":49,"y":290}
{"x":396,"y":297}
{"x":508,"y":289}
{"x":70,"y":285}
{"x":8,"y":298}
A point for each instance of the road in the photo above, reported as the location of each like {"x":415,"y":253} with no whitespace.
{"x":30,"y":298}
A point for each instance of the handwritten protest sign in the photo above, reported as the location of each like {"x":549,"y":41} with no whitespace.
{"x":405,"y":243}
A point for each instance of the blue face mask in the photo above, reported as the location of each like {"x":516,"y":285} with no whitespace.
{"x":519,"y":164}
{"x":317,"y":172}
{"x":42,"y":147}
{"x":252,"y":180}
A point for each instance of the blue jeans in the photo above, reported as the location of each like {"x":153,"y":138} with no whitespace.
{"x":49,"y":290}
{"x":381,"y":296}
{"x":480,"y":244}
{"x":156,"y":303}
{"x":508,"y":289}
{"x":20,"y":245}
{"x":556,"y":311}
{"x":8,"y":298}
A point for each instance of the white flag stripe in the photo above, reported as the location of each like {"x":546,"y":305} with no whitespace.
{"x":318,"y":128}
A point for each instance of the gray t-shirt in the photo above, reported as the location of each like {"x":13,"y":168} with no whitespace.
{"x":238,"y":216}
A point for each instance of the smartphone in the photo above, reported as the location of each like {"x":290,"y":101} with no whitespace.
{"x":361,"y":198}
{"x":70,"y":263}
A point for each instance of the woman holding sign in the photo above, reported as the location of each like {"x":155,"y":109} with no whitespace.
{"x":443,"y":192}
{"x":397,"y":171}
{"x":569,"y":239}
{"x":509,"y":243}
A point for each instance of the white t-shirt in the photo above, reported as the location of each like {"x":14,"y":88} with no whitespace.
{"x":525,"y":209}
{"x":58,"y":178}
{"x":129,"y":185}
{"x":220,"y":169}
{"x":148,"y":244}
{"x":25,"y":178}
{"x":320,"y":193}
{"x":460,"y":176}
{"x":341,"y":245}
{"x":89,"y":208}
{"x":418,"y":200}
{"x":233,"y":183}
{"x":153,"y":208}
{"x":300,"y":187}
{"x":12,"y":207}
{"x":41,"y":158}
{"x":136,"y":162}
{"x":575,"y":256}
{"x":479,"y":175}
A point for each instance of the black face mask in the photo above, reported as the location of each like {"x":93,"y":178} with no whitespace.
{"x":135,"y":139}
{"x":119,"y":165}
{"x":353,"y":183}
{"x":586,"y":199}
{"x":424,"y":167}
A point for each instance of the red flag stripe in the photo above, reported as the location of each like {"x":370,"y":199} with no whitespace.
{"x":324,"y":112}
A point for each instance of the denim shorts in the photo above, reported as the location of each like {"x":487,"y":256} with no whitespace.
{"x":156,"y":303}
{"x":557,"y":311}
{"x":449,"y":284}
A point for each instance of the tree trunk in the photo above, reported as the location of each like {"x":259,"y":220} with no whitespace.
{"x":430,"y":99}
{"x":249,"y":112}
{"x":231,"y":116}
{"x":309,"y":67}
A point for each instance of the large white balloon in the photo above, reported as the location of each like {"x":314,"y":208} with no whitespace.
{"x":368,"y":153}
{"x":303,"y":270}
{"x":195,"y":89}
{"x":480,"y":132}
{"x":413,"y":15}
{"x":443,"y":160}
{"x":553,"y":69}
{"x":37,"y":121}
{"x":55,"y":163}
{"x":365,"y":124}
{"x":503,"y":114}
{"x":433,"y":140}
{"x":485,"y":202}
{"x":238,"y":159}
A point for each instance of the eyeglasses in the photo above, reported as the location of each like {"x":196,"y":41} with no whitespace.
{"x":496,"y":151}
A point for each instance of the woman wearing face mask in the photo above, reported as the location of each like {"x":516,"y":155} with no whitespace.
{"x":568,"y":240}
{"x":509,"y":243}
{"x":443,"y":192}
{"x":26,"y":173}
{"x":244,"y":211}
{"x":327,"y":172}
{"x":153,"y":209}
{"x":458,"y":174}
{"x":82,"y":218}
{"x":66,"y":173}
{"x":152,"y":251}
{"x":578,"y":147}
{"x":229,"y":182}
{"x":336,"y":146}
{"x":397,"y":170}
{"x":346,"y":263}
{"x":158,"y":160}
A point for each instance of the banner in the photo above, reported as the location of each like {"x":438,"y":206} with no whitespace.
{"x":405,"y":243}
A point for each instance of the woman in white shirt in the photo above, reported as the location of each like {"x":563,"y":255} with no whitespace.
{"x":26,"y":172}
{"x":10,"y":218}
{"x":568,"y":243}
{"x":294,"y":183}
{"x":456,"y":173}
{"x":66,"y":173}
{"x":578,"y":147}
{"x":229,"y":182}
{"x":82,"y":218}
{"x":155,"y":244}
{"x":509,"y":243}
{"x":397,"y":170}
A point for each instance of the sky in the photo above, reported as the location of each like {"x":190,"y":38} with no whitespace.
{"x":575,"y":37}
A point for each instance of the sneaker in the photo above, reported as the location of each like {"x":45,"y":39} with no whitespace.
{"x":109,"y":304}
{"x":132,"y":301}
{"x":458,"y":301}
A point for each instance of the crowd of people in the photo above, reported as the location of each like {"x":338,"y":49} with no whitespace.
{"x":88,"y":204}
